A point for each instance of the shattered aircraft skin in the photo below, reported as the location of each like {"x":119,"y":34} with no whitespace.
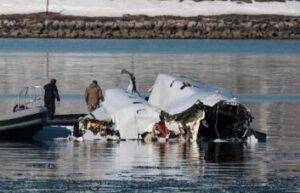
{"x":225,"y":118}
{"x":177,"y":107}
{"x":127,"y":114}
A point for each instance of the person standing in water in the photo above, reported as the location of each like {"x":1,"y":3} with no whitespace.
{"x":93,"y":95}
{"x":51,"y":93}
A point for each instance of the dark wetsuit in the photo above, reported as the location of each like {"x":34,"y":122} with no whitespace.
{"x":51,"y":93}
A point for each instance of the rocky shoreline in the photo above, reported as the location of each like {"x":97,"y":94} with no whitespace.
{"x":54,"y":25}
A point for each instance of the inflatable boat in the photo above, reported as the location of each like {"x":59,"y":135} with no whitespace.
{"x":22,"y":124}
{"x":27,"y":118}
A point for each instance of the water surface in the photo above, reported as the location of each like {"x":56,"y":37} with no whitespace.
{"x":263,"y":74}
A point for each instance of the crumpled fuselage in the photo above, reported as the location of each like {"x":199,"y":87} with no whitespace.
{"x":187,"y":108}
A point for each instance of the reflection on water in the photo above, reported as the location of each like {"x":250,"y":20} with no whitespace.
{"x":131,"y":165}
{"x":241,"y":73}
{"x":223,"y":152}
{"x":269,"y":84}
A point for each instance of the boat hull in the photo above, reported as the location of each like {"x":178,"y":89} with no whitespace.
{"x":22,"y":125}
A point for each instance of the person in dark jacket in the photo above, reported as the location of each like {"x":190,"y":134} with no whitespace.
{"x":51,"y":93}
{"x":93,"y":95}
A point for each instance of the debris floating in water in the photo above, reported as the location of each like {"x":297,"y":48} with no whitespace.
{"x":177,"y":107}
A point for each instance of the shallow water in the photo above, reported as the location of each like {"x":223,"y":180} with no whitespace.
{"x":263,"y":74}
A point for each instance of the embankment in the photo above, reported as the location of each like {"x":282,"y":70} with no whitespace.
{"x":55,"y":25}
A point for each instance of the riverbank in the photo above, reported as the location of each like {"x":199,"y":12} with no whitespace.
{"x":55,"y":25}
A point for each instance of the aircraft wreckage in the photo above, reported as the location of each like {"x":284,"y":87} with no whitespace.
{"x":176,"y":107}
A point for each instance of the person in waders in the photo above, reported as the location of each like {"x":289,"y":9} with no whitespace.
{"x":51,"y":93}
{"x":93,"y":96}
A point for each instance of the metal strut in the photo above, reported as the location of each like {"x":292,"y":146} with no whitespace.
{"x":216,"y":122}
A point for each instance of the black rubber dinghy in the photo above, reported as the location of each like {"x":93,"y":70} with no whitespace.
{"x":22,"y":125}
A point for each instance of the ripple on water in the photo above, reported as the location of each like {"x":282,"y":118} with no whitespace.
{"x":265,"y":80}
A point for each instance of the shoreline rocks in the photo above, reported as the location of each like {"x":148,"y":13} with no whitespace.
{"x":54,"y":25}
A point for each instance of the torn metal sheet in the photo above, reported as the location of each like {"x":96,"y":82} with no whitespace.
{"x":179,"y":96}
{"x":175,"y":93}
{"x":178,"y":107}
{"x":130,"y":114}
